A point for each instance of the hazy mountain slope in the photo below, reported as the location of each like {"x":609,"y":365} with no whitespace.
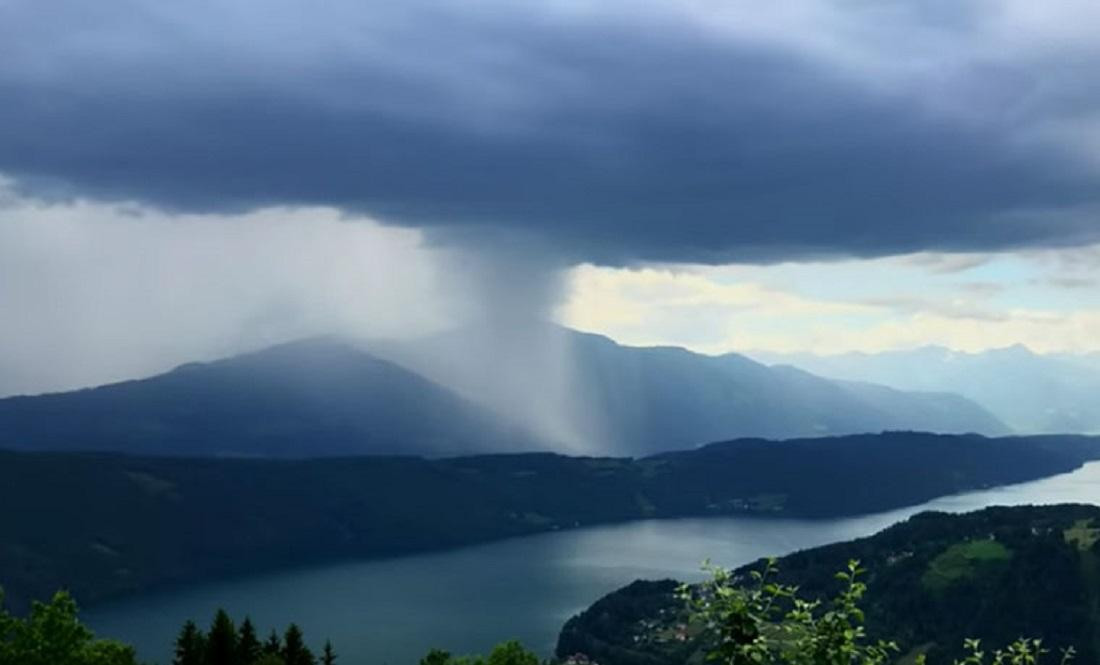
{"x":1028,"y":391}
{"x":566,"y":391}
{"x":108,"y":524}
{"x":954,"y":413}
{"x":1087,"y":360}
{"x":309,"y":398}
{"x":635,"y":400}
{"x":933,"y":581}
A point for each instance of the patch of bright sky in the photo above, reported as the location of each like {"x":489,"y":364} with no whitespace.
{"x":1048,"y":300}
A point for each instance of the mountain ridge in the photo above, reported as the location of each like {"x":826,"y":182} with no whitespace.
{"x":318,"y":396}
{"x":654,"y":398}
{"x":336,"y":396}
{"x":1030,"y":392}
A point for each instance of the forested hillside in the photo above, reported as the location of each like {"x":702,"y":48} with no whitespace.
{"x":104,"y":525}
{"x":333,"y":397}
{"x":932,"y":581}
{"x":938,"y":586}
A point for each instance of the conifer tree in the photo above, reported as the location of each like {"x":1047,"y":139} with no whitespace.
{"x":273,"y":646}
{"x":295,"y":651}
{"x":328,"y":656}
{"x":221,"y":641}
{"x":190,"y":646}
{"x":248,"y":646}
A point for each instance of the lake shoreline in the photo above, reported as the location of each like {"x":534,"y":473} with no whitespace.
{"x":522,"y":587}
{"x":397,"y":554}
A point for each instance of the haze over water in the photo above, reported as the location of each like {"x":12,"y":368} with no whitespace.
{"x":392,"y":611}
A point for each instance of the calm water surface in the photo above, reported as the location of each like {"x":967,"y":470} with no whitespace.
{"x":392,"y":611}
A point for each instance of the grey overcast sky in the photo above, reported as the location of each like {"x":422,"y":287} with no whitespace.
{"x":789,"y":150}
{"x":680,"y":130}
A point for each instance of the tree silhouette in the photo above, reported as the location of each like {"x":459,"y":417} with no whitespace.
{"x":248,"y":646}
{"x":190,"y":646}
{"x":328,"y":656}
{"x":295,"y":651}
{"x":221,"y":641}
{"x":273,"y":646}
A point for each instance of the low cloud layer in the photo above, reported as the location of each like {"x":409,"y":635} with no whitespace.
{"x":613,"y":132}
{"x":92,"y":293}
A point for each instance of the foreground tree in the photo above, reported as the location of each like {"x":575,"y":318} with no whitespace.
{"x":328,"y":656}
{"x":1021,"y":652}
{"x":295,"y":651}
{"x":221,"y":641}
{"x":436,"y":657}
{"x":766,"y":623}
{"x":52,"y":634}
{"x":190,"y":646}
{"x":248,"y":645}
{"x":512,"y":653}
{"x":273,"y":646}
{"x":225,"y":644}
{"x":505,"y":653}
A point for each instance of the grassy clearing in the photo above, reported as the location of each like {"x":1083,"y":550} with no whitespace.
{"x":963,"y":561}
{"x":1082,"y":534}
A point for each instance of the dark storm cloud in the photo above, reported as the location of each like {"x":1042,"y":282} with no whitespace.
{"x":624,"y":132}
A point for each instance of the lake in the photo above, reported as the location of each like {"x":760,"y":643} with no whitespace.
{"x":392,"y":611}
